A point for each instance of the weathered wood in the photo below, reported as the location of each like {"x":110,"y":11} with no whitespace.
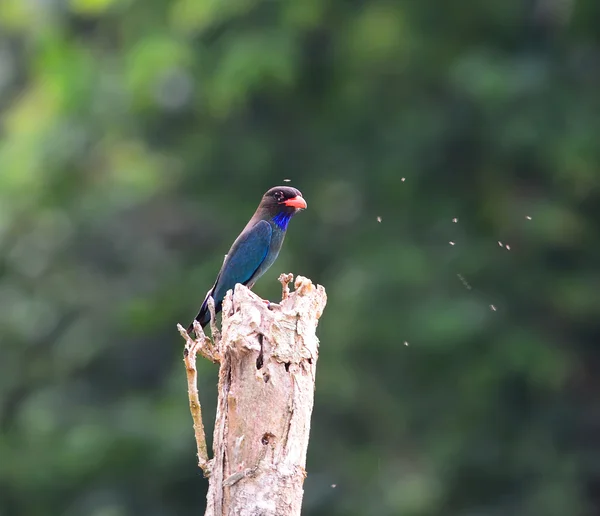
{"x":268,"y":357}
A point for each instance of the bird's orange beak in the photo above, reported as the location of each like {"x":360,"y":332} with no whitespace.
{"x":297,"y":202}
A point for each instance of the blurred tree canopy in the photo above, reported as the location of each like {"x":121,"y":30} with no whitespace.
{"x":459,"y":348}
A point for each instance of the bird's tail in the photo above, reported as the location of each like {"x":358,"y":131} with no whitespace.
{"x":203,"y":316}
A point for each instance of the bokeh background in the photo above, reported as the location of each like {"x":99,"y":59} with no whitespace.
{"x":449,"y":153}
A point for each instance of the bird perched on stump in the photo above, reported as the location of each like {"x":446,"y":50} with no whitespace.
{"x":257,"y":247}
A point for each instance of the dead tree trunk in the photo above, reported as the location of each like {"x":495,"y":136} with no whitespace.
{"x":268,"y":357}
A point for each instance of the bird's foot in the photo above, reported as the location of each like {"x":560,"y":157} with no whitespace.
{"x":270,"y":306}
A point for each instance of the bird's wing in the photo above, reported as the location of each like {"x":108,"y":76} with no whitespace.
{"x":245,"y":257}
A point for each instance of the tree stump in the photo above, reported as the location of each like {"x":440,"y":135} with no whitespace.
{"x":268,"y":357}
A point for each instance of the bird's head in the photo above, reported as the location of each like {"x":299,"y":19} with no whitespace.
{"x":283,"y":199}
{"x":281,"y":203}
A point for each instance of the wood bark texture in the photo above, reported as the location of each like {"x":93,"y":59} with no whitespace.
{"x":266,"y":392}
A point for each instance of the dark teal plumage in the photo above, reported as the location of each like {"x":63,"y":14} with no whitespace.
{"x":256,"y":248}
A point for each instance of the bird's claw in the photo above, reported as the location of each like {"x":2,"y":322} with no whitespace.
{"x":270,"y":306}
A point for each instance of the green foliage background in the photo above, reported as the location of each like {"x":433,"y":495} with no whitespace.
{"x":137,"y":138}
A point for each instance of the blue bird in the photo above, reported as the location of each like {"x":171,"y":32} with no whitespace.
{"x":257,"y":247}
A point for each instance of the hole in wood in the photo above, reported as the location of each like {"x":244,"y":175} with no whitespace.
{"x":266,"y":438}
{"x":260,"y":358}
{"x":287,"y":367}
